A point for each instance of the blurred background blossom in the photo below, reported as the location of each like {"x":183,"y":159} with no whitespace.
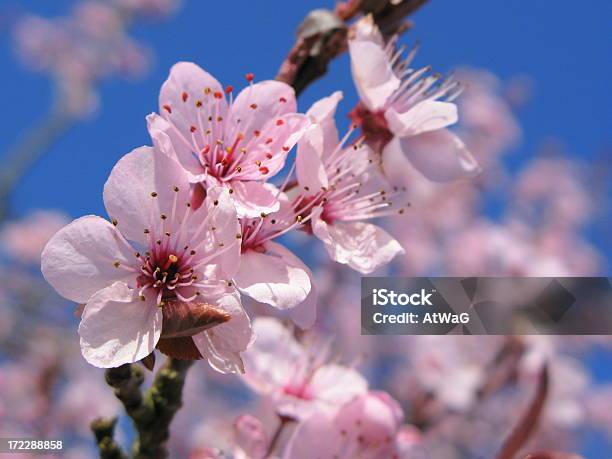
{"x":540,"y":208}
{"x":89,"y":44}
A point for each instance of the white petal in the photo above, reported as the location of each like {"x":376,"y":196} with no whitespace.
{"x":272,"y":99}
{"x":440,"y":156}
{"x":374,"y":78}
{"x":337,"y":384}
{"x":276,"y":277}
{"x":222,"y":345}
{"x":128,"y":191}
{"x":165,"y":140}
{"x":79,"y":260}
{"x":253,"y":198}
{"x":323,"y":114}
{"x":310,"y":169}
{"x":425,"y":116}
{"x":218,"y":212}
{"x":117,"y":327}
{"x":304,"y":315}
{"x":362,"y":246}
{"x":270,"y":361}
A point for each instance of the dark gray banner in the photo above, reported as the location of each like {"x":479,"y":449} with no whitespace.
{"x":486,"y":306}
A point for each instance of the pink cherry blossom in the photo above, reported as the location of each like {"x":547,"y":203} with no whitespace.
{"x":24,"y":240}
{"x":269,"y":272}
{"x":298,"y":378}
{"x":518,"y":248}
{"x":157,"y":249}
{"x":85,"y":399}
{"x":238,"y":145}
{"x":569,"y":386}
{"x":438,"y":210}
{"x":402,"y":111}
{"x":78,"y":50}
{"x":541,"y":185}
{"x":348,"y":188}
{"x":451,"y":368}
{"x":368,"y":427}
{"x":251,"y":439}
{"x":487,"y":123}
{"x":19,"y":396}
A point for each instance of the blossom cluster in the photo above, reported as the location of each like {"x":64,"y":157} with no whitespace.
{"x":82,"y":48}
{"x":195,"y":220}
{"x":193,"y":262}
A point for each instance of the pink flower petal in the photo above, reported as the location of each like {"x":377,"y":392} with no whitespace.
{"x":141,"y":188}
{"x":365,"y":427}
{"x":428,"y":115}
{"x":188,"y":98}
{"x":165,"y":140}
{"x":267,"y":152}
{"x":251,"y":437}
{"x":316,"y":437}
{"x":322,"y":113}
{"x":259,"y":103}
{"x":253,"y":198}
{"x":117,"y":327}
{"x":396,"y":166}
{"x":310,"y":169}
{"x":439,"y":155}
{"x":338,"y":384}
{"x":222,"y":345}
{"x":79,"y":260}
{"x":276,"y":277}
{"x":294,"y":375}
{"x":362,"y":246}
{"x":372,"y":73}
{"x":269,"y":362}
{"x":218,"y":212}
{"x":304,"y":315}
{"x":318,"y":142}
{"x":380,"y":414}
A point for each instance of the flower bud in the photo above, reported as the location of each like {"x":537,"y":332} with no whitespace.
{"x":183,"y":320}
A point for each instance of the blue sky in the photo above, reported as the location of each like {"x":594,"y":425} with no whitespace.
{"x":560,"y":45}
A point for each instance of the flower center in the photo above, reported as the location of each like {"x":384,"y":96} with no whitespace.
{"x":301,"y":391}
{"x":253,"y":232}
{"x":257,"y":231}
{"x":227,"y":147}
{"x":373,"y":125}
{"x":164,"y":272}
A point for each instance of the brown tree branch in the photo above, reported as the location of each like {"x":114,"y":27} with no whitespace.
{"x":152,"y":412}
{"x":164,"y":399}
{"x":390,"y":16}
{"x":32,"y":145}
{"x":322,"y":36}
{"x":103,"y":430}
{"x":529,"y":420}
{"x":552,"y":455}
